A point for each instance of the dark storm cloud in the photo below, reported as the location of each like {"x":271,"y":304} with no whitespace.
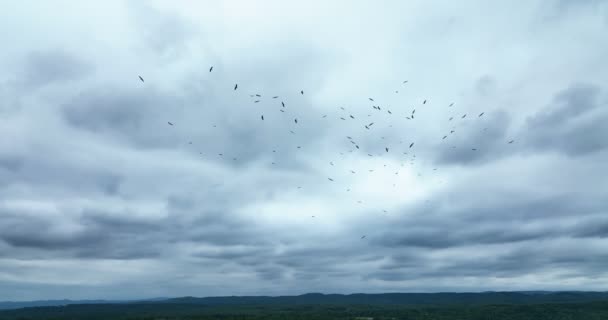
{"x":573,"y":123}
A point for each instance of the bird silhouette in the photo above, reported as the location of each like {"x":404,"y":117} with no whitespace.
{"x":236,"y":86}
{"x":142,"y":79}
{"x":211,"y":69}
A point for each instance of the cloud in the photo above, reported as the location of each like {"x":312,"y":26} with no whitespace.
{"x":100,"y":197}
{"x":573,"y":122}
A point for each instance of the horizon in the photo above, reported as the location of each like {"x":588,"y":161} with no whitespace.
{"x":294,"y":295}
{"x":268,"y":148}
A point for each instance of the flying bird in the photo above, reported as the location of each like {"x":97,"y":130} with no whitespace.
{"x":464,"y":116}
{"x":411,"y":145}
{"x":451,"y":104}
{"x":386,"y":149}
{"x":236,"y":86}
{"x":330,"y":179}
{"x":295,"y":120}
{"x":302,"y":91}
{"x":370,"y":99}
{"x":142,"y":79}
{"x":511,"y":141}
{"x":283,"y":104}
{"x":256,"y":101}
{"x":424,"y":102}
{"x":275,"y":97}
{"x":257,"y":95}
{"x":211,"y":69}
{"x":363,"y":237}
{"x":481,"y":114}
{"x":405,"y":81}
{"x":262,"y":117}
{"x":169,"y":123}
{"x":444,"y":137}
{"x":352,"y":116}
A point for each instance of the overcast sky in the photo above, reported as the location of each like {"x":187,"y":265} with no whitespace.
{"x":100,"y":197}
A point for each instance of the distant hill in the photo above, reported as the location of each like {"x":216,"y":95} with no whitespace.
{"x":411,"y":299}
{"x":5,"y":305}
{"x":46,"y":303}
{"x":404,"y":299}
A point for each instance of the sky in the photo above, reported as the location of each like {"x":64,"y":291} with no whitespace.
{"x":102,"y":198}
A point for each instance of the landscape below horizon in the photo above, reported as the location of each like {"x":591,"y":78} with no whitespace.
{"x":387,"y":306}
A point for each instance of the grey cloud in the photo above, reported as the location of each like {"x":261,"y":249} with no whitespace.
{"x":51,"y":67}
{"x":572,"y":123}
{"x":93,"y":177}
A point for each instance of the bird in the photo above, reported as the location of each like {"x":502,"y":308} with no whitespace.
{"x":236,"y":86}
{"x":330,"y":179}
{"x":451,"y":104}
{"x":370,"y":99}
{"x":389,"y":111}
{"x":386,"y":149}
{"x":169,"y":123}
{"x":142,"y":79}
{"x":342,"y":118}
{"x":324,"y":116}
{"x":275,"y":97}
{"x":282,"y":110}
{"x":464,"y":116}
{"x":352,"y":171}
{"x":283,"y":104}
{"x":450,"y":118}
{"x":331,"y":163}
{"x":257,"y":95}
{"x":363,"y":237}
{"x":481,"y":114}
{"x":424,"y":102}
{"x":262,"y":117}
{"x":302,"y":92}
{"x":474,"y":149}
{"x":444,"y":137}
{"x":405,"y":81}
{"x":256,"y":101}
{"x":211,"y":69}
{"x":511,"y":141}
{"x":352,"y":116}
{"x":295,"y":120}
{"x":411,"y":145}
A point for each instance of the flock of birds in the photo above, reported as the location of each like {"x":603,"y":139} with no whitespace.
{"x":368,"y":126}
